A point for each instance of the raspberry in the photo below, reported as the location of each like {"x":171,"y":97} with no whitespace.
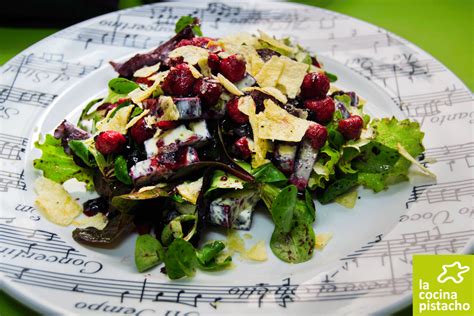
{"x":315,"y":86}
{"x":351,"y":127}
{"x":196,"y":41}
{"x":323,"y":109}
{"x":175,"y":61}
{"x":179,"y":81}
{"x":165,"y":125}
{"x":241,"y":147}
{"x":234,"y":112}
{"x":110,"y":142}
{"x":184,"y":42}
{"x":208,"y":90}
{"x":140,"y":132}
{"x":317,"y":134}
{"x":233,"y":68}
{"x":213,"y":61}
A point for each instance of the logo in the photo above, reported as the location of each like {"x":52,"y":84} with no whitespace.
{"x":443,"y":285}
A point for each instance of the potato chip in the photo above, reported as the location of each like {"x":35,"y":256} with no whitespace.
{"x":322,"y":240}
{"x":196,"y":74}
{"x":159,"y":76}
{"x":98,"y":221}
{"x":274,"y":92}
{"x":257,"y":253}
{"x":270,"y":72}
{"x":229,"y":86}
{"x":170,"y":110}
{"x":291,"y":77}
{"x":116,"y":123}
{"x":134,"y":120}
{"x":146,"y":71}
{"x":191,"y":54}
{"x":55,"y":203}
{"x":275,"y":123}
{"x":280,"y":45}
{"x":190,"y":190}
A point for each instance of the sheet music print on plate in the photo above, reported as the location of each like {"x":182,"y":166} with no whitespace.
{"x":435,"y":217}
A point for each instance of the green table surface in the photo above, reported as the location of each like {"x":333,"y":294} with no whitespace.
{"x":443,"y":28}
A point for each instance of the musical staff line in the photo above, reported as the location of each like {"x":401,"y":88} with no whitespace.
{"x":260,"y":294}
{"x":12,"y":146}
{"x":34,"y":234}
{"x":441,"y":192}
{"x":14,"y":180}
{"x":31,"y":97}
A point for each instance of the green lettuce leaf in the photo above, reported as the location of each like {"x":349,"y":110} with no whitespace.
{"x":59,"y":166}
{"x":324,"y":167}
{"x":381,"y":164}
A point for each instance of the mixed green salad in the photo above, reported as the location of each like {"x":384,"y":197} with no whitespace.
{"x":200,"y":131}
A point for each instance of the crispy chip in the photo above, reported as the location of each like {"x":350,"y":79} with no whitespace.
{"x":159,"y":76}
{"x":277,"y":43}
{"x":134,"y":120}
{"x":146,"y":71}
{"x":196,"y":74}
{"x":274,"y":92}
{"x":55,"y":203}
{"x":116,"y":123}
{"x":257,"y":253}
{"x":229,"y":86}
{"x":291,"y":77}
{"x":275,"y":123}
{"x":270,"y":72}
{"x":322,"y":240}
{"x":190,"y":54}
{"x":190,"y":190}
{"x":98,"y":221}
{"x":170,"y":111}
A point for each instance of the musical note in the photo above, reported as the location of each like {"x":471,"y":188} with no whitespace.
{"x":157,"y":296}
{"x":122,"y":296}
{"x":216,"y":300}
{"x":44,"y":234}
{"x":76,"y":288}
{"x":412,"y":238}
{"x":20,"y":275}
{"x":11,"y":146}
{"x":14,"y":180}
{"x":7,"y":220}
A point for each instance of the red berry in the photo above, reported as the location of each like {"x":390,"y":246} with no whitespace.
{"x":208,"y":90}
{"x":234,"y":112}
{"x":175,"y":61}
{"x":179,"y":81}
{"x":317,"y":134}
{"x":184,"y":42}
{"x":315,"y":86}
{"x":165,"y":125}
{"x":213,"y":61}
{"x":110,"y":142}
{"x":140,"y":132}
{"x":144,"y":81}
{"x":241,"y":147}
{"x":233,"y":68}
{"x":323,"y":109}
{"x":351,"y":127}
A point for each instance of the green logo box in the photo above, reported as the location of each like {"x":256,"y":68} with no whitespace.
{"x":443,"y":285}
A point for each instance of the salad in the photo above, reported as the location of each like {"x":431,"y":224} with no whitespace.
{"x":201,"y":131}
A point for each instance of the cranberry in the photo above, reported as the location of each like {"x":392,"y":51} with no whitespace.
{"x":241,"y":147}
{"x":179,"y":81}
{"x":317,"y":134}
{"x":351,"y":127}
{"x":299,"y":182}
{"x":110,"y":142}
{"x":208,"y":90}
{"x":140,"y":132}
{"x":213,"y":61}
{"x":323,"y":109}
{"x":234,"y":112}
{"x":315,"y":86}
{"x":184,"y":42}
{"x":196,"y":41}
{"x":233,"y":68}
{"x":175,"y":61}
{"x":143,"y":80}
{"x":165,"y":125}
{"x":94,"y":206}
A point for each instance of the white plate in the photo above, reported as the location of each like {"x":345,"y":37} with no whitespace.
{"x":365,"y":268}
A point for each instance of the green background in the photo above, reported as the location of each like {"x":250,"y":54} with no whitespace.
{"x":443,"y":28}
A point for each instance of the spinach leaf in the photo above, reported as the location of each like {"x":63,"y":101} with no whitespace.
{"x":126,"y":202}
{"x":81,"y":150}
{"x":121,"y":170}
{"x":86,"y":117}
{"x":148,"y":252}
{"x":294,"y":246}
{"x":338,"y":187}
{"x":283,"y":207}
{"x":174,"y":229}
{"x":332,"y":77}
{"x":119,"y":88}
{"x":117,"y":227}
{"x":188,"y":21}
{"x":310,"y":205}
{"x":268,"y":173}
{"x":180,"y":259}
{"x":208,"y":256}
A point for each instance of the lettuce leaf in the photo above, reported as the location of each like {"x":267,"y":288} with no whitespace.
{"x":59,"y":166}
{"x":381,"y":163}
{"x":324,"y":167}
